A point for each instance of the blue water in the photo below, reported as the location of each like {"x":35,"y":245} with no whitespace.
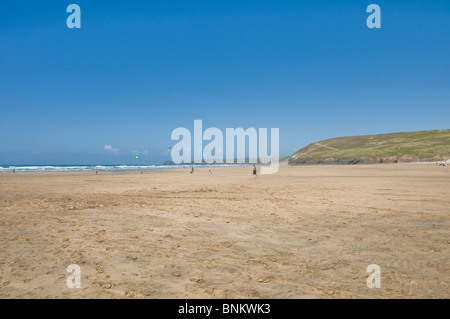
{"x":93,"y":168}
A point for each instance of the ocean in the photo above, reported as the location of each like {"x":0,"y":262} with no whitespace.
{"x":100,"y":168}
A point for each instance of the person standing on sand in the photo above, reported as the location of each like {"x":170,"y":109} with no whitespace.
{"x":254,"y":169}
{"x":14,"y":170}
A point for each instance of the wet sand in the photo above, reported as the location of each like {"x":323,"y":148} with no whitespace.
{"x":305,"y":232}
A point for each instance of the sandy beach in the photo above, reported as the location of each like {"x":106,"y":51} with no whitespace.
{"x":305,"y":232}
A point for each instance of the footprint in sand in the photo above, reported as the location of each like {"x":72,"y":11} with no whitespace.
{"x":106,"y":285}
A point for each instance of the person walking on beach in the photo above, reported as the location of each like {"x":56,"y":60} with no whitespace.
{"x":14,"y":170}
{"x":254,"y":169}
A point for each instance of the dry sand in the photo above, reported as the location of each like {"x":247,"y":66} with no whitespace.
{"x":306,"y":232}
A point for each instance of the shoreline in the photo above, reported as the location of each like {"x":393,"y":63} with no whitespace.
{"x":108,"y":168}
{"x":203,"y":166}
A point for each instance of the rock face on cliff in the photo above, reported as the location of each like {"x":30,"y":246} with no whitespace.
{"x":423,"y":146}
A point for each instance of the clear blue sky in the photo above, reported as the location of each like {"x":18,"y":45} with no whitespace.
{"x":136,"y":70}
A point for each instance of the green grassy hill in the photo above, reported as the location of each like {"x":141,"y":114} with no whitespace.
{"x":389,"y":148}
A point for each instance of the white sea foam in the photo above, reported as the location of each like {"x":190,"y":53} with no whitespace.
{"x":73,"y":168}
